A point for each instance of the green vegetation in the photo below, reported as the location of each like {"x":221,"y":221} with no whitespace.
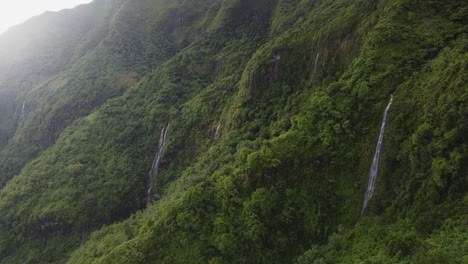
{"x":297,"y":89}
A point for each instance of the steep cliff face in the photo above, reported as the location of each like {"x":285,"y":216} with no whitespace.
{"x":274,"y":110}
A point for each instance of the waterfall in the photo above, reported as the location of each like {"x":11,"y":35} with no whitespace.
{"x":23,"y":112}
{"x":215,"y":136}
{"x":316,"y":63}
{"x":157,"y":159}
{"x":373,"y":173}
{"x":217,"y":131}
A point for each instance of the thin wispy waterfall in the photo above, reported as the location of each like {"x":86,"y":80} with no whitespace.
{"x":23,"y":111}
{"x":316,"y":63}
{"x":157,"y":160}
{"x":374,"y":170}
{"x":215,"y":136}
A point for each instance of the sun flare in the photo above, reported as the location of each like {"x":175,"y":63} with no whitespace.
{"x":13,"y":12}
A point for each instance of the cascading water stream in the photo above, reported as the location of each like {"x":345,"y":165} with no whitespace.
{"x":23,"y":112}
{"x":154,"y":168}
{"x":373,"y":173}
{"x":215,"y":136}
{"x":316,"y":63}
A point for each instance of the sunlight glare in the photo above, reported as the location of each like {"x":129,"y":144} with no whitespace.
{"x":13,"y":12}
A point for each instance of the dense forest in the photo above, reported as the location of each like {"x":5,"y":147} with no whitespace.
{"x":235,"y":131}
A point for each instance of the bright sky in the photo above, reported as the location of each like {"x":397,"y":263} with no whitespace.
{"x":13,"y":12}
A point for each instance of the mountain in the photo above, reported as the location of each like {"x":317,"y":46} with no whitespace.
{"x":235,"y":131}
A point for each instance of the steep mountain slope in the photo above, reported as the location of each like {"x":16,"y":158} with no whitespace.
{"x":33,"y":56}
{"x":272,"y":110}
{"x":123,"y":41}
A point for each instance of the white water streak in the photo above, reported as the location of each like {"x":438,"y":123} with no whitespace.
{"x":215,"y":136}
{"x":373,"y":173}
{"x":23,"y":111}
{"x":217,"y":131}
{"x":157,"y":160}
{"x":316,"y":63}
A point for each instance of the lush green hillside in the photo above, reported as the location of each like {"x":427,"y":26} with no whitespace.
{"x":273,"y":109}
